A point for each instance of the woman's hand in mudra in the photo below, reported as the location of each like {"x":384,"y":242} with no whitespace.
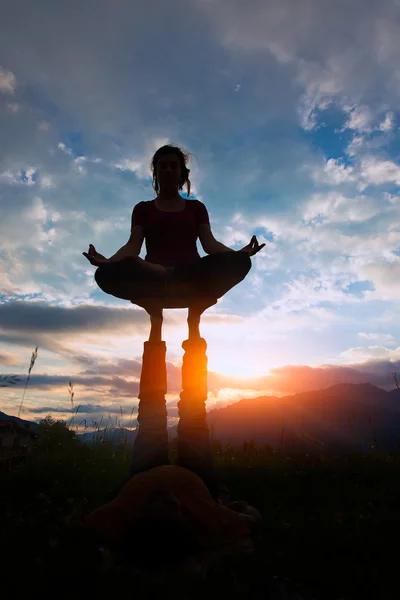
{"x":95,"y":258}
{"x":253,"y":247}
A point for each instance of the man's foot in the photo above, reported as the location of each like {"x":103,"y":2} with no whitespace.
{"x":224,"y":495}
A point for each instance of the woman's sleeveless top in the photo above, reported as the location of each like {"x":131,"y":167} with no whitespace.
{"x":170,"y":237}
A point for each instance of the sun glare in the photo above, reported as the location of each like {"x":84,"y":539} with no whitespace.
{"x":232,"y":363}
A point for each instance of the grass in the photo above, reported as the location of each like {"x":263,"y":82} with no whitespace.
{"x":330,"y":523}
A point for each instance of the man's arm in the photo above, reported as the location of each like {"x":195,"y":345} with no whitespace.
{"x":249,"y":514}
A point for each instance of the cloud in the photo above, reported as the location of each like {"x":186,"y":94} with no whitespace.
{"x":363,"y":354}
{"x":386,"y":277}
{"x":7,"y":82}
{"x":337,"y":208}
{"x":86,"y":409}
{"x":388,"y":123}
{"x":386,"y":338}
{"x":379,"y":172}
{"x":41,"y":317}
{"x":62,"y":330}
{"x":360,"y":118}
{"x":330,"y":62}
{"x":369,"y":364}
{"x":335,"y":173}
{"x":8,"y":359}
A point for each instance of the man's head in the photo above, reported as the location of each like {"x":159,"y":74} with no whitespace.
{"x":249,"y":513}
{"x":162,"y":504}
{"x":160,"y":533}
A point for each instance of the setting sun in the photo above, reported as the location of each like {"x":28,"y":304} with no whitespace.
{"x":229,"y":361}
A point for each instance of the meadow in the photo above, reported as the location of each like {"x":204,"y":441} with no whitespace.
{"x":331,"y":523}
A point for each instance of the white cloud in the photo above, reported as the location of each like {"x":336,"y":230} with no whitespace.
{"x":19,"y":178}
{"x":321,"y":84}
{"x":309,"y":290}
{"x":46,"y":181}
{"x":370,"y":353}
{"x":14,"y":107}
{"x":64,"y":148}
{"x":9,"y":177}
{"x":38,"y":211}
{"x":386,"y":278}
{"x":325,"y":246}
{"x":388,"y":123}
{"x":129,"y":165}
{"x":334,"y":173}
{"x":44,"y":126}
{"x":337,"y":208}
{"x":8,"y":81}
{"x":378,"y":172}
{"x":391,"y":198}
{"x":360,"y":118}
{"x":355,"y":145}
{"x":321,"y":52}
{"x":383,"y":338}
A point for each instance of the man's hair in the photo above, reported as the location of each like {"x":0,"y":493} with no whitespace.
{"x":150,"y":541}
{"x":183,"y":158}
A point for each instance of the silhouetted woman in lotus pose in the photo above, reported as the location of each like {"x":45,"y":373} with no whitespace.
{"x":172,"y":275}
{"x":175,"y":510}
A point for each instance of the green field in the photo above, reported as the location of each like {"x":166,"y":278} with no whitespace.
{"x":332,"y":525}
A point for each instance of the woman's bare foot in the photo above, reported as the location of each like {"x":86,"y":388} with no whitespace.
{"x":194,"y":315}
{"x":154,"y":309}
{"x":155,"y":267}
{"x":156,"y":329}
{"x":193,"y":328}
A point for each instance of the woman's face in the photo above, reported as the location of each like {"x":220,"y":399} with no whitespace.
{"x":168,"y":172}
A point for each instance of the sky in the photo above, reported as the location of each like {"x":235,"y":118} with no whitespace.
{"x":289,"y":111}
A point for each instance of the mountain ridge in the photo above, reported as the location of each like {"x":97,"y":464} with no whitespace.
{"x":344,"y":416}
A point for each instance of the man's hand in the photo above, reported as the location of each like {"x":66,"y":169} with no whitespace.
{"x":253,"y":247}
{"x":250,"y":513}
{"x":95,"y":258}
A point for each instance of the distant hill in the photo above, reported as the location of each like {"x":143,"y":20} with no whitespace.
{"x":344,"y":417}
{"x":341,"y":418}
{"x":32,"y":426}
{"x":115,"y":435}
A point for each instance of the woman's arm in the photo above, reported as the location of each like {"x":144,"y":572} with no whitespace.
{"x":132,"y":247}
{"x":126,"y":251}
{"x":218,"y":247}
{"x":208,"y":241}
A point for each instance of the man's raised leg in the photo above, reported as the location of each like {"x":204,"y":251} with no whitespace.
{"x":194,"y":443}
{"x":150,"y":447}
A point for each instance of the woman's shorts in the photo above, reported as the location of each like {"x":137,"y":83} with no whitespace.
{"x":211,"y":276}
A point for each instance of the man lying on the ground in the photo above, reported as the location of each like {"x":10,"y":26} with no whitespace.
{"x":166,"y":517}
